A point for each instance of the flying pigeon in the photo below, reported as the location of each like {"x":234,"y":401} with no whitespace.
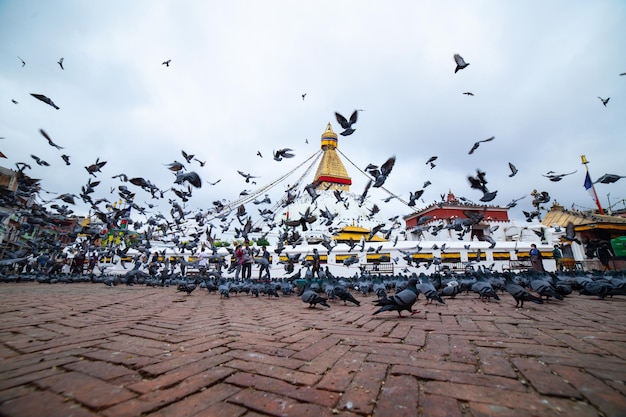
{"x":468,"y":93}
{"x":246,"y":176}
{"x":401,"y":301}
{"x":570,"y":233}
{"x":303,"y":96}
{"x":283,"y":153}
{"x":609,"y":178}
{"x":187,"y":157}
{"x":191,"y":177}
{"x":95,"y":167}
{"x":557,"y":177}
{"x":477,"y":144}
{"x":40,"y":161}
{"x":167,"y":63}
{"x":66,"y":158}
{"x":460,"y":63}
{"x":175,"y":166}
{"x":61,"y":63}
{"x":50,"y":142}
{"x":21,"y":60}
{"x":431,"y":159}
{"x":45,"y":100}
{"x":513,"y":170}
{"x":347,"y":124}
{"x":604,"y":101}
{"x":380,"y":175}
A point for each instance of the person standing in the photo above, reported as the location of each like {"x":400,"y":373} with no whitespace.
{"x":265,"y":264}
{"x":315,"y":267}
{"x":557,"y":255}
{"x":238,"y":260}
{"x":203,"y":262}
{"x":535,"y":258}
{"x":604,"y":255}
{"x":248,"y":259}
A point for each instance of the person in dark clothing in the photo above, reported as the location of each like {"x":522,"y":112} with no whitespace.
{"x":605,"y":255}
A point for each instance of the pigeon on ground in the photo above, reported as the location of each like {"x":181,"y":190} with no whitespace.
{"x":519,"y":293}
{"x":604,"y":101}
{"x":429,"y":291}
{"x":460,"y":63}
{"x":477,"y":144}
{"x":344,"y":295}
{"x":401,"y":301}
{"x":544,"y":288}
{"x":45,"y":99}
{"x":312,"y":298}
{"x":50,"y":142}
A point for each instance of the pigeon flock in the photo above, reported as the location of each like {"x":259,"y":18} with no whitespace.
{"x":234,"y":217}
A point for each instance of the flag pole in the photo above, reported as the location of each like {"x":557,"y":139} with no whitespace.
{"x":593,"y":188}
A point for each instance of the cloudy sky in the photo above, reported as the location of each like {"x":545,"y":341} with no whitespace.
{"x":239,"y":68}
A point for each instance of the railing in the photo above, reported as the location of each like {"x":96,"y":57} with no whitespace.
{"x":378,"y":268}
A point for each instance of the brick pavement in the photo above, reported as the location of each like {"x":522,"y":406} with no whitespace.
{"x":91,"y":350}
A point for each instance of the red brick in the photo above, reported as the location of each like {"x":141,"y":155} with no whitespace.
{"x":494,"y":362}
{"x":43,"y":404}
{"x":200,"y":403}
{"x":92,"y":392}
{"x":286,"y":374}
{"x":272,"y":404}
{"x":471,"y":378}
{"x":609,"y":401}
{"x":543,"y":380}
{"x":439,"y":406}
{"x":340,"y":376}
{"x":362,"y":392}
{"x":398,"y":397}
{"x":304,"y":394}
{"x":97,"y":369}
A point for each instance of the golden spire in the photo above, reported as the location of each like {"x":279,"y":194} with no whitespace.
{"x":331,"y":174}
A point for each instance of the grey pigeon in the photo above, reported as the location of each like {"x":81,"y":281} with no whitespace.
{"x":344,"y":295}
{"x":50,"y":142}
{"x":460,"y":63}
{"x":401,"y":301}
{"x":604,"y":101}
{"x":429,"y":291}
{"x":380,"y":175}
{"x":477,"y":144}
{"x":312,"y":298}
{"x":61,"y":63}
{"x":544,"y":288}
{"x":608,"y":178}
{"x":519,"y":293}
{"x":45,"y":100}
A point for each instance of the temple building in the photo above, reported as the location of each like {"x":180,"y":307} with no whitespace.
{"x":331,"y":174}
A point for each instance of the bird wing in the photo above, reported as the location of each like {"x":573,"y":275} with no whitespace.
{"x":459,"y":60}
{"x":343,"y":122}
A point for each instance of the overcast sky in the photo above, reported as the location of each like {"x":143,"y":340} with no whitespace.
{"x":239,"y":68}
